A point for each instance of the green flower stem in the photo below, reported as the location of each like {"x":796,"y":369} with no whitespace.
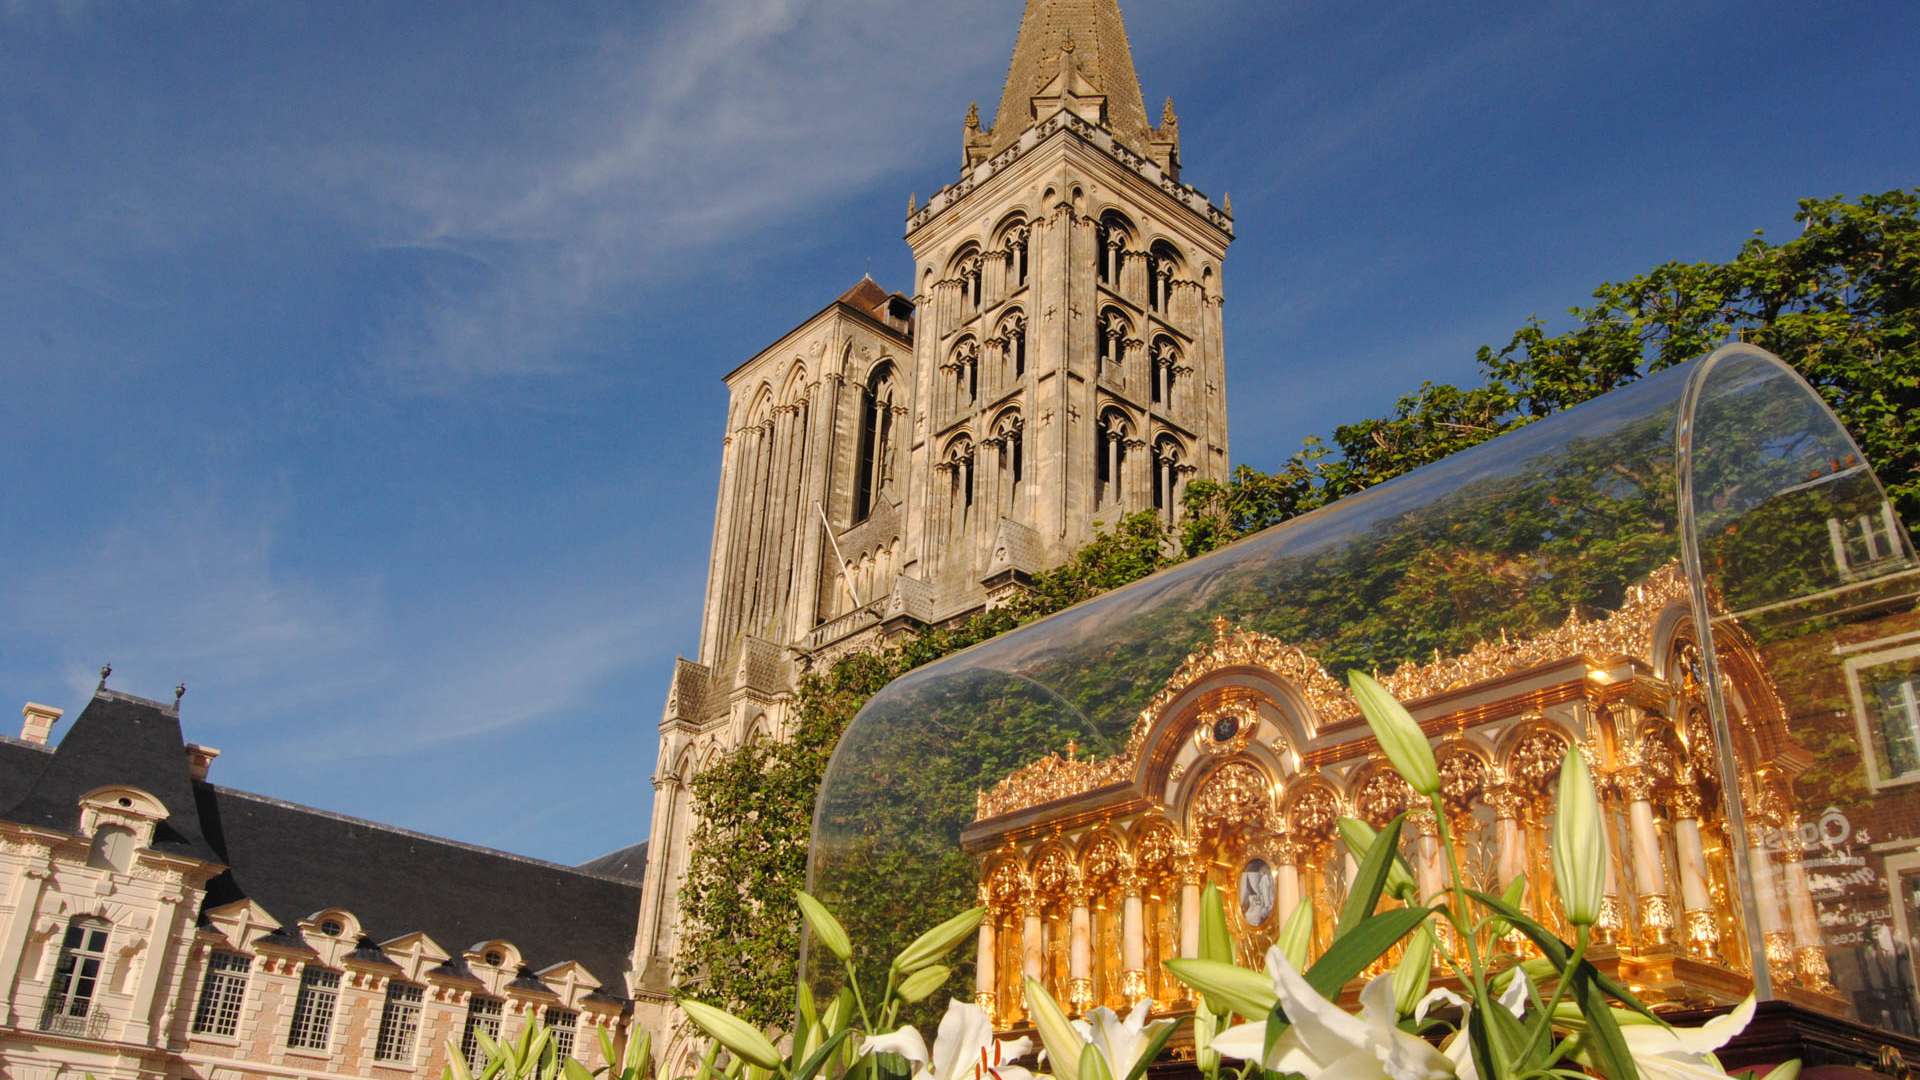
{"x":1445,"y":834}
{"x":1559,"y":990}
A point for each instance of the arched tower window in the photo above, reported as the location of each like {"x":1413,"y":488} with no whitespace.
{"x":958,"y":464}
{"x":1110,"y":239}
{"x":964,"y":368}
{"x":876,"y":441}
{"x":1013,"y":332}
{"x":1110,"y":463}
{"x":1112,"y":329}
{"x":1013,"y":241}
{"x":76,"y":977}
{"x":1166,"y":363}
{"x":1009,"y":434}
{"x":1167,"y":459}
{"x":1162,"y":260}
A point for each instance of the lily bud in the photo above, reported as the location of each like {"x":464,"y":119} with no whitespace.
{"x":825,"y":927}
{"x":1296,"y":935}
{"x":1360,"y":838}
{"x":923,"y":982}
{"x":1416,"y":967}
{"x":1061,"y":1039}
{"x":745,"y":1040}
{"x":1249,"y":993}
{"x":1579,"y":843}
{"x":1405,"y":745}
{"x":938,"y":941}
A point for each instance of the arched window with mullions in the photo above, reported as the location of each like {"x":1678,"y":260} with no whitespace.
{"x":1165,"y":356}
{"x":1167,"y":463}
{"x":76,"y":978}
{"x":1162,"y":260}
{"x":1111,"y":457}
{"x":875,"y":456}
{"x":1110,"y":332}
{"x":1013,"y":335}
{"x":1009,"y":434}
{"x":1110,"y":239}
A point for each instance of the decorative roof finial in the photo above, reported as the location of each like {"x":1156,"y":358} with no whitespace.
{"x":179,"y":692}
{"x":913,"y":199}
{"x":1226,"y":203}
{"x":1167,"y":118}
{"x":973,"y":116}
{"x":106,"y":669}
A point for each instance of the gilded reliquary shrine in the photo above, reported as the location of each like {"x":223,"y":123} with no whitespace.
{"x":1694,"y":580}
{"x":1238,"y":769}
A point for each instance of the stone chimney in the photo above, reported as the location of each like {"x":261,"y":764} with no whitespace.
{"x":39,"y":721}
{"x":200,"y":759}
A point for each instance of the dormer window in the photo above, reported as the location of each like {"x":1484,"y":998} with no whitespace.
{"x":112,"y":849}
{"x":331,"y":927}
{"x":494,"y":958}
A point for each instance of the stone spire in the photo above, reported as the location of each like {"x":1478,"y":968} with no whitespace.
{"x":1079,"y":42}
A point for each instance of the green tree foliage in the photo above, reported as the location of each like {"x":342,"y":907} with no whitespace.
{"x":754,"y":806}
{"x":1840,"y":302}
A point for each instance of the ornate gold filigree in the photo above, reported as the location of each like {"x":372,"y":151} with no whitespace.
{"x":1313,"y":813}
{"x":1237,"y":793}
{"x":1381,"y":798}
{"x":1535,"y":762}
{"x":1627,"y":631}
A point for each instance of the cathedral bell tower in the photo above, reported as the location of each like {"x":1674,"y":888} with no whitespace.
{"x":1068,"y":314}
{"x":896,"y":462}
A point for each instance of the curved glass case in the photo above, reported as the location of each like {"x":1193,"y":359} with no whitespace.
{"x":1694,"y":578}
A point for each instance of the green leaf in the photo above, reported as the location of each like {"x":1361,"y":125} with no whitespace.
{"x":819,"y":1058}
{"x":826,"y":929}
{"x":1602,"y":1041}
{"x":457,"y":1061}
{"x":573,"y":1070}
{"x":939,"y":941}
{"x":1162,"y":1030}
{"x":1558,"y":952}
{"x":803,"y":1006}
{"x":1233,"y":988}
{"x":606,"y":1044}
{"x":1350,"y":953}
{"x":1371,"y":879}
{"x":639,"y":1057}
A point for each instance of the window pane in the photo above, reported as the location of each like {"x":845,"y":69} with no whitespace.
{"x":221,"y":994}
{"x":399,"y":1023}
{"x":313,"y":1010}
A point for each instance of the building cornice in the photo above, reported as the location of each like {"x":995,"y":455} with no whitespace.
{"x":1192,"y":199}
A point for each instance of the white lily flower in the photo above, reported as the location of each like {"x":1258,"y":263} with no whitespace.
{"x":1323,"y":1040}
{"x":1663,"y":1053}
{"x":963,"y":1048}
{"x":1122,"y":1042}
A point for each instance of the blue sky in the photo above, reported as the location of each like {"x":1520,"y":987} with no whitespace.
{"x":360,"y":364}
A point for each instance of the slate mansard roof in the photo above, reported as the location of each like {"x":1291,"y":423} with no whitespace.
{"x":296,"y":861}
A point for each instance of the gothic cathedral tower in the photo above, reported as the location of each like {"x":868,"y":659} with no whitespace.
{"x":894,"y":463}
